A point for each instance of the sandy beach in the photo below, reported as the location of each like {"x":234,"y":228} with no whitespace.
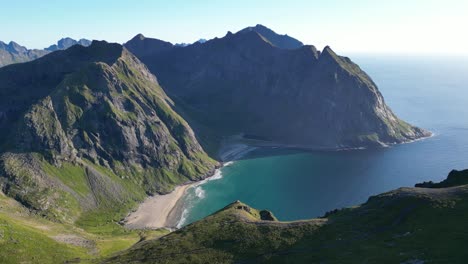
{"x":155,"y":212}
{"x":165,"y":211}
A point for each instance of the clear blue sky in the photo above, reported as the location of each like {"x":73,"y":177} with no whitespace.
{"x":348,"y":26}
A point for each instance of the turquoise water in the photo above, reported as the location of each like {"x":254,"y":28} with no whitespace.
{"x":427,"y":92}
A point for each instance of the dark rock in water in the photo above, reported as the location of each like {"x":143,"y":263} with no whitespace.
{"x":244,"y":83}
{"x":455,"y":178}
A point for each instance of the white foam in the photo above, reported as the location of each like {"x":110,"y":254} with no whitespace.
{"x":234,"y":152}
{"x":199,"y":192}
{"x":183,"y":218}
{"x":229,"y":163}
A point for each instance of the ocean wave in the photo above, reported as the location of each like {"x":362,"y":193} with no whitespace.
{"x":183,"y":218}
{"x":199,"y":192}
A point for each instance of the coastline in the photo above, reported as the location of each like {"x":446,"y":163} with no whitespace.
{"x":256,"y":143}
{"x":166,"y":211}
{"x":155,"y":211}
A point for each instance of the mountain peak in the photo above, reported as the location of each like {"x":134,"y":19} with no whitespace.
{"x":138,"y":37}
{"x":67,"y":42}
{"x":16,"y":48}
{"x":280,"y":41}
{"x":143,"y":46}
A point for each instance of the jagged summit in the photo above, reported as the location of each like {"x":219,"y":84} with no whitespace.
{"x":66,"y":43}
{"x":280,"y":41}
{"x":13,"y":47}
{"x":138,"y":37}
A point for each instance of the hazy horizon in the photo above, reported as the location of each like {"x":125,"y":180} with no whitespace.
{"x":419,"y":27}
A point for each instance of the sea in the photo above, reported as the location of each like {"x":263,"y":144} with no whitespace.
{"x":427,"y":91}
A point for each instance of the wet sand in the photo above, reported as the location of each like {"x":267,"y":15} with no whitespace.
{"x":155,"y":211}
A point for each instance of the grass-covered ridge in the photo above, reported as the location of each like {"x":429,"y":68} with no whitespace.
{"x":408,"y":225}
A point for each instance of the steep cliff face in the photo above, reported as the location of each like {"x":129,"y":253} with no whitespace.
{"x":242,"y":83}
{"x":101,"y":113}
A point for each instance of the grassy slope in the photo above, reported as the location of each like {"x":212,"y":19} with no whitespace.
{"x":29,"y":238}
{"x":403,"y":225}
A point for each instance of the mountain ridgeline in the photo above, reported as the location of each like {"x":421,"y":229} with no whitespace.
{"x":259,"y":83}
{"x":89,"y":128}
{"x":14,"y":53}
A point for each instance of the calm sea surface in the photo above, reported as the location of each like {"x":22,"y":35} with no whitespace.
{"x":430,"y":92}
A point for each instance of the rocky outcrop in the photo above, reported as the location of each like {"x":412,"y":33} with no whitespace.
{"x":243,"y":83}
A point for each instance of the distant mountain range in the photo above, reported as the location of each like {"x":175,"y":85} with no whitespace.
{"x":187,"y":44}
{"x":15,"y":53}
{"x":66,"y":43}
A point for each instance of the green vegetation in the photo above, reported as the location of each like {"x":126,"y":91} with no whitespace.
{"x":19,"y":244}
{"x":29,"y":238}
{"x":72,"y":175}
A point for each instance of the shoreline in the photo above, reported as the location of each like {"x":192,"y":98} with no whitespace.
{"x":154,"y":211}
{"x":167,"y":211}
{"x":272,"y":144}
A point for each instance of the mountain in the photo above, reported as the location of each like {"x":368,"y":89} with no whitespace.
{"x":280,"y":41}
{"x":147,"y":46}
{"x":407,"y":225}
{"x":14,"y":53}
{"x":201,"y":41}
{"x":66,"y":43}
{"x":88,"y":132}
{"x":244,"y":84}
